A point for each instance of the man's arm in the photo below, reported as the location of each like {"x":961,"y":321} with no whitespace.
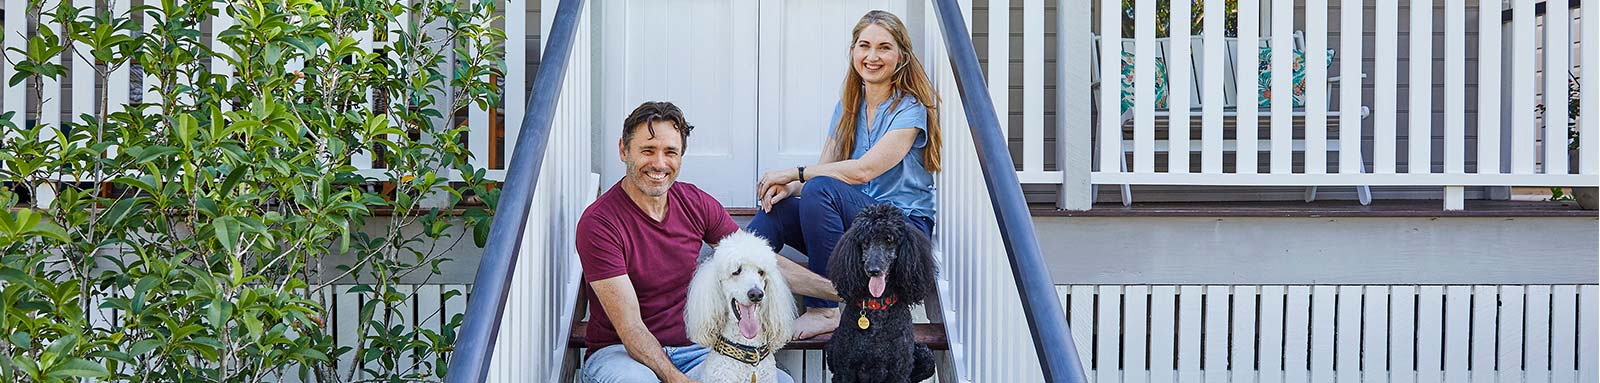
{"x":804,"y":282}
{"x":621,"y":304}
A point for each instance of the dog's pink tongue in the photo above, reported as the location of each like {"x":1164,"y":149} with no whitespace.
{"x":875,"y":286}
{"x":748,"y":325}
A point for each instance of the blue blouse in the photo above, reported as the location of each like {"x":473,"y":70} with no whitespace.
{"x":907,"y":185}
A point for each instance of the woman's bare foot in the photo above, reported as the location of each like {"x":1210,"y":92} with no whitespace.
{"x":816,"y":321}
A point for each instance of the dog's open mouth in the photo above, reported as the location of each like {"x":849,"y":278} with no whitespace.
{"x":749,"y":326}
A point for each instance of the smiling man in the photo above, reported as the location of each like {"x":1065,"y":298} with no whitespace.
{"x":638,"y":243}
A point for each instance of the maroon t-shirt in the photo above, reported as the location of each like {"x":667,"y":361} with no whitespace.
{"x":616,"y":237}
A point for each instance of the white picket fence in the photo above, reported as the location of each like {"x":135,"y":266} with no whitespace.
{"x":1322,"y":333}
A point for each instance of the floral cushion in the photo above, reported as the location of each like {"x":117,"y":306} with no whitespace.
{"x":1298,"y":86}
{"x":1127,"y":82}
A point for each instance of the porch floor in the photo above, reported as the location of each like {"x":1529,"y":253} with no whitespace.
{"x":1326,"y":208}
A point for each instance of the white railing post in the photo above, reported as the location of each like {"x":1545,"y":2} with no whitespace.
{"x":1074,"y":147}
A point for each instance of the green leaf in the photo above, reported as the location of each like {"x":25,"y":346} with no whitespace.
{"x":144,"y":346}
{"x":77,"y":367}
{"x":226,"y":231}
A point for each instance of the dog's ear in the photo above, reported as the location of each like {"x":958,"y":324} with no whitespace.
{"x":778,"y":309}
{"x":914,"y":267}
{"x":844,"y":266}
{"x":706,"y":310}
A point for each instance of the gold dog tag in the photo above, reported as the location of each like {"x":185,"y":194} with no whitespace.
{"x":863,"y":323}
{"x":752,"y":377}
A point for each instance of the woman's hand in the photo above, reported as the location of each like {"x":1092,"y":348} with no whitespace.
{"x":776,"y":177}
{"x":775,"y":193}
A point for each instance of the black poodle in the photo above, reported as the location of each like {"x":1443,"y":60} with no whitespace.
{"x":881,"y":267}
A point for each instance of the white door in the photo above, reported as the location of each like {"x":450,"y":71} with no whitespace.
{"x":700,"y":55}
{"x":805,"y":53}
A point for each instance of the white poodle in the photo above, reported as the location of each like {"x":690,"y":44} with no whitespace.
{"x":739,"y":307}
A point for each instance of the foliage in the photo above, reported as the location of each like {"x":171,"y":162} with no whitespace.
{"x":1197,"y":18}
{"x":207,"y":216}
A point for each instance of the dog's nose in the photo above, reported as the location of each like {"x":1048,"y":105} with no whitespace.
{"x":756,"y":295}
{"x":874,"y":271}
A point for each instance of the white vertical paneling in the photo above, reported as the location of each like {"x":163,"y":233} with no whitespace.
{"x":478,"y":128}
{"x":1536,"y":344}
{"x":1000,"y":63}
{"x":1557,"y":47}
{"x":1430,"y":334}
{"x":1385,"y":60}
{"x":1402,"y":333}
{"x":1216,"y":334}
{"x":430,"y":314}
{"x":1375,"y":334}
{"x":1242,"y":361}
{"x":1523,"y":87}
{"x":1347,"y":330}
{"x":1317,"y":87}
{"x":1272,"y":334}
{"x":1564,"y":333}
{"x":814,"y":366}
{"x":1144,"y":87}
{"x":1455,"y":84}
{"x":150,"y":86}
{"x":347,"y":314}
{"x":13,"y":97}
{"x":117,"y":82}
{"x":219,"y":23}
{"x":1249,"y":59}
{"x":1297,"y":333}
{"x":1212,"y":98}
{"x":1082,"y":325}
{"x":361,"y":158}
{"x":1282,"y":131}
{"x":1588,"y":337}
{"x":83,"y":72}
{"x":1511,"y":346}
{"x":1033,"y":85}
{"x":1350,"y":80}
{"x":1134,"y":299}
{"x":405,"y":312}
{"x":1485,"y":308}
{"x":1457,"y":330}
{"x":1589,"y":145}
{"x":516,"y":90}
{"x":1420,"y":80}
{"x":1163,"y":330}
{"x":1110,"y":85}
{"x":1108,"y":333}
{"x":1179,"y":88}
{"x":1489,"y":128}
{"x":1190,"y":301}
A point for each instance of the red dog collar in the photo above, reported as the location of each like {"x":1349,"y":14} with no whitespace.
{"x":877,"y":304}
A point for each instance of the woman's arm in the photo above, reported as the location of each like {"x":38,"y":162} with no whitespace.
{"x":883,"y":156}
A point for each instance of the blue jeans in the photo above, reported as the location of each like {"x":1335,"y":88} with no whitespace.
{"x":813,"y":223}
{"x":611,"y":364}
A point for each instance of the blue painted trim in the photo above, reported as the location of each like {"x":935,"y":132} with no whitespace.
{"x":1052,"y":339}
{"x":475,"y":342}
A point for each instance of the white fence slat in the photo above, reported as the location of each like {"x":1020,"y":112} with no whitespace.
{"x":1110,"y":86}
{"x":1272,"y":334}
{"x":1350,"y":87}
{"x":149,"y":85}
{"x":405,"y":312}
{"x":1457,"y":330}
{"x":1523,"y":87}
{"x":815,"y":369}
{"x":1455,"y":86}
{"x":1557,"y":49}
{"x":478,"y":130}
{"x":1316,"y":93}
{"x":1402,"y":333}
{"x":430,"y":313}
{"x":1082,"y":324}
{"x":1212,"y":99}
{"x":1179,"y":73}
{"x":1190,"y":306}
{"x":219,"y":23}
{"x":516,"y":92}
{"x":1144,"y":88}
{"x":1347,"y":329}
{"x":50,"y":87}
{"x":1244,"y":333}
{"x":1033,"y":85}
{"x":1216,"y":334}
{"x":1511,"y":339}
{"x":1420,"y":135}
{"x":1282,"y":129}
{"x":1430,"y":334}
{"x":1384,"y":91}
{"x":347,"y":332}
{"x":1489,"y":68}
{"x":1297,"y":326}
{"x":1564,"y":333}
{"x":1134,"y":299}
{"x":15,"y":95}
{"x":1537,"y":333}
{"x":83,"y":73}
{"x":117,"y":82}
{"x":1375,"y":334}
{"x":1000,"y":67}
{"x":1163,"y":332}
{"x":1247,"y":125}
{"x":1108,"y":332}
{"x":1485,"y":308}
{"x":361,"y":158}
{"x":1589,"y":145}
{"x":1588,"y":336}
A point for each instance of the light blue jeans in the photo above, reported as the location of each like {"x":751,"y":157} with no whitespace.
{"x":611,"y":364}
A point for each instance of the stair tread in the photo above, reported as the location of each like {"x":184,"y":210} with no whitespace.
{"x":930,"y":334}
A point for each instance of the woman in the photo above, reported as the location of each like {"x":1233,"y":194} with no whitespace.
{"x":883,"y":147}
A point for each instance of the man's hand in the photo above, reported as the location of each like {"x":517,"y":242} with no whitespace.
{"x":621,"y":304}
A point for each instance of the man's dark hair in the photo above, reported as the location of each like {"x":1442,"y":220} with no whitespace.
{"x":652,"y":111}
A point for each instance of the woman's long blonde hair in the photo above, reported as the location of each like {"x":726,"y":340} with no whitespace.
{"x":910,"y":79}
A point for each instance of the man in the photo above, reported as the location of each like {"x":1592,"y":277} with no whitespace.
{"x":638,"y":243}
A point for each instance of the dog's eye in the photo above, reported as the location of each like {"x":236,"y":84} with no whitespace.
{"x":761,"y":273}
{"x":737,"y":271}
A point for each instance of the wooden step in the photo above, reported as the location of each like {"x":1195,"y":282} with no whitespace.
{"x":930,"y":334}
